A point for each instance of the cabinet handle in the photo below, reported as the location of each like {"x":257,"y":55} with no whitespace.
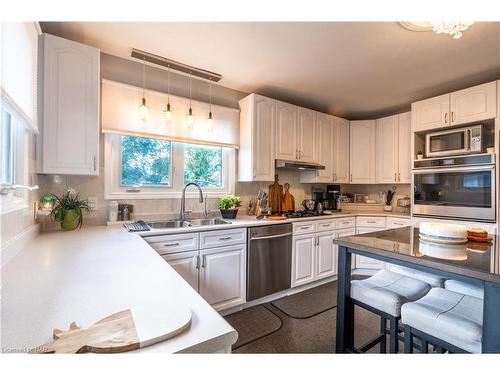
{"x":446,"y":118}
{"x":399,"y":176}
{"x":300,"y":154}
{"x":346,"y":222}
{"x":197,"y":262}
{"x":296,"y":154}
{"x":225,"y":238}
{"x":335,"y":177}
{"x":351,"y":177}
{"x":395,"y":177}
{"x":452,"y":116}
{"x":95,"y":163}
{"x":171,"y":244}
{"x":371,"y":222}
{"x":204,"y":261}
{"x":304,"y":228}
{"x":325,"y":225}
{"x":254,"y":173}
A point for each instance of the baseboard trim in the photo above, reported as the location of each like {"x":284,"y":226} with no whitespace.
{"x":12,"y":247}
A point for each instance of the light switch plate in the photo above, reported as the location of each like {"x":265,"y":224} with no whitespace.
{"x":92,"y":202}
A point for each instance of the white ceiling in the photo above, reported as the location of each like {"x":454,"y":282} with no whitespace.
{"x":353,"y":69}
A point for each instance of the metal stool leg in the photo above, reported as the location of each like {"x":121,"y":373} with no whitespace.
{"x":424,"y":346}
{"x":393,"y":335}
{"x":408,"y":340}
{"x":383,"y":330}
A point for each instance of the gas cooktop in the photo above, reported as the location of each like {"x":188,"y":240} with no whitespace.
{"x":297,"y":214}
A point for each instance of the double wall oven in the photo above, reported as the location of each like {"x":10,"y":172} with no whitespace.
{"x":456,"y":187}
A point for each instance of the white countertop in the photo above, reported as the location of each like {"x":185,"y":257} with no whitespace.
{"x":88,"y":274}
{"x":243,"y":221}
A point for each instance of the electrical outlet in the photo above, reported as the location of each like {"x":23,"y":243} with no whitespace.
{"x":92,"y":202}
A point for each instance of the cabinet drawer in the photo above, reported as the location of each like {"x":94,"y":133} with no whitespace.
{"x":394,"y":222}
{"x":370,"y":221}
{"x":219,"y":238}
{"x":345,"y":223}
{"x":174,"y":243}
{"x":304,"y":227}
{"x":323,"y":225}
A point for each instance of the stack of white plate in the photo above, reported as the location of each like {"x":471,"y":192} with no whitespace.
{"x":443,"y":233}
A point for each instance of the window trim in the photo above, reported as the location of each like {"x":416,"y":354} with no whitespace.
{"x":18,"y":199}
{"x":112,"y":172}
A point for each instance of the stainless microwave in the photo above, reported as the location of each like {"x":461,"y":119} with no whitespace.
{"x":461,"y":141}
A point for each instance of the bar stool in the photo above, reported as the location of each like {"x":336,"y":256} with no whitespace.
{"x":383,"y":294}
{"x":446,"y":319}
{"x":464,"y":288}
{"x":434,"y":281}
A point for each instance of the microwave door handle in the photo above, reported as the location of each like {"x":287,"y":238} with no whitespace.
{"x":467,"y":140}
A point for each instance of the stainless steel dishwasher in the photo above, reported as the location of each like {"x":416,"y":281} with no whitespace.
{"x":269,"y":260}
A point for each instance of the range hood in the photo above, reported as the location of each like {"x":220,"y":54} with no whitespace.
{"x":300,"y":165}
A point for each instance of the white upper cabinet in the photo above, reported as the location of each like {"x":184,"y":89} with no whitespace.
{"x":324,"y":141}
{"x":306,"y":129}
{"x":387,"y":149}
{"x":473,"y":104}
{"x":341,"y":151}
{"x":460,"y":107}
{"x":69,"y":136}
{"x":286,"y":131}
{"x":431,"y":113}
{"x":257,"y":138}
{"x":404,"y":148}
{"x":362,"y":151}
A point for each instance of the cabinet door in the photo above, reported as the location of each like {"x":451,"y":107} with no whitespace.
{"x":343,"y":233}
{"x":404,"y":148}
{"x":185,"y":264}
{"x":325,"y":138}
{"x":286,"y":131}
{"x":325,"y":255}
{"x":222,"y":276}
{"x":264,"y":131}
{"x":474,"y":104}
{"x":70,"y":107}
{"x":303,"y":259}
{"x":362,"y":152}
{"x":307,"y":135}
{"x":365,"y":262}
{"x":341,"y":151}
{"x":387,"y":149}
{"x":431,"y":113}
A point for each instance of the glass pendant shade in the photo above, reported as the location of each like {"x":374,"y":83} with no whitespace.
{"x":168,"y":112}
{"x":190,"y":119}
{"x":210,"y":124}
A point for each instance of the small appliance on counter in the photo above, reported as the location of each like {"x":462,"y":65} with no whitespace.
{"x":332,"y":198}
{"x":404,"y":203}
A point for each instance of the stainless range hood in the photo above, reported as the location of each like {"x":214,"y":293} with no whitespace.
{"x":300,"y":165}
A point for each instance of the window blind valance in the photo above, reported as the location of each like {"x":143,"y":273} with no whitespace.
{"x":120,"y":115}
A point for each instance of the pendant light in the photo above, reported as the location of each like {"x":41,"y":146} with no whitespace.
{"x":190,"y":118}
{"x":210,"y":123}
{"x":168,"y":111}
{"x":143,"y":108}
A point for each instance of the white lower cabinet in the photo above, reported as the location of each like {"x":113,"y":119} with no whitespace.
{"x":365,"y":262}
{"x":185,"y":264}
{"x":326,"y":256}
{"x":222,"y":276}
{"x":303,"y":259}
{"x":343,"y":233}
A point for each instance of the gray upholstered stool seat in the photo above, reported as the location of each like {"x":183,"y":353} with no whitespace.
{"x":464,"y":288}
{"x":434,"y":281}
{"x":452,"y":317}
{"x":388,"y":291}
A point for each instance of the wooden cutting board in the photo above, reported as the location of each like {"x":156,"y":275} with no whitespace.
{"x":120,"y":332}
{"x":288,"y":199}
{"x":275,"y":196}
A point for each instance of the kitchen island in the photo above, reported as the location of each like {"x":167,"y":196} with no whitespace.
{"x":476,"y":263}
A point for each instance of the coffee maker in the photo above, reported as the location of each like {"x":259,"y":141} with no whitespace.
{"x":332,"y":195}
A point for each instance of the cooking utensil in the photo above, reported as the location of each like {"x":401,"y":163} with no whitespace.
{"x":120,"y":332}
{"x":288,"y":199}
{"x":308,"y":204}
{"x":276,"y":196}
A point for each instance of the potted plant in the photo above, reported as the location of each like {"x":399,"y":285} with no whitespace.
{"x":420,"y":155}
{"x":388,"y":200}
{"x":68,"y":210}
{"x":229,"y":206}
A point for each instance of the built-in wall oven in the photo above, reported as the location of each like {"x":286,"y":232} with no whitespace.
{"x":461,"y":187}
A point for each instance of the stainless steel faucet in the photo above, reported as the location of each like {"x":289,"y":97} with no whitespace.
{"x":183,"y":199}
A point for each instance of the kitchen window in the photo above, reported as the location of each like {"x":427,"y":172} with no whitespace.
{"x":149,"y":168}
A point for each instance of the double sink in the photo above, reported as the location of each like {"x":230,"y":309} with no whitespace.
{"x":185,"y":223}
